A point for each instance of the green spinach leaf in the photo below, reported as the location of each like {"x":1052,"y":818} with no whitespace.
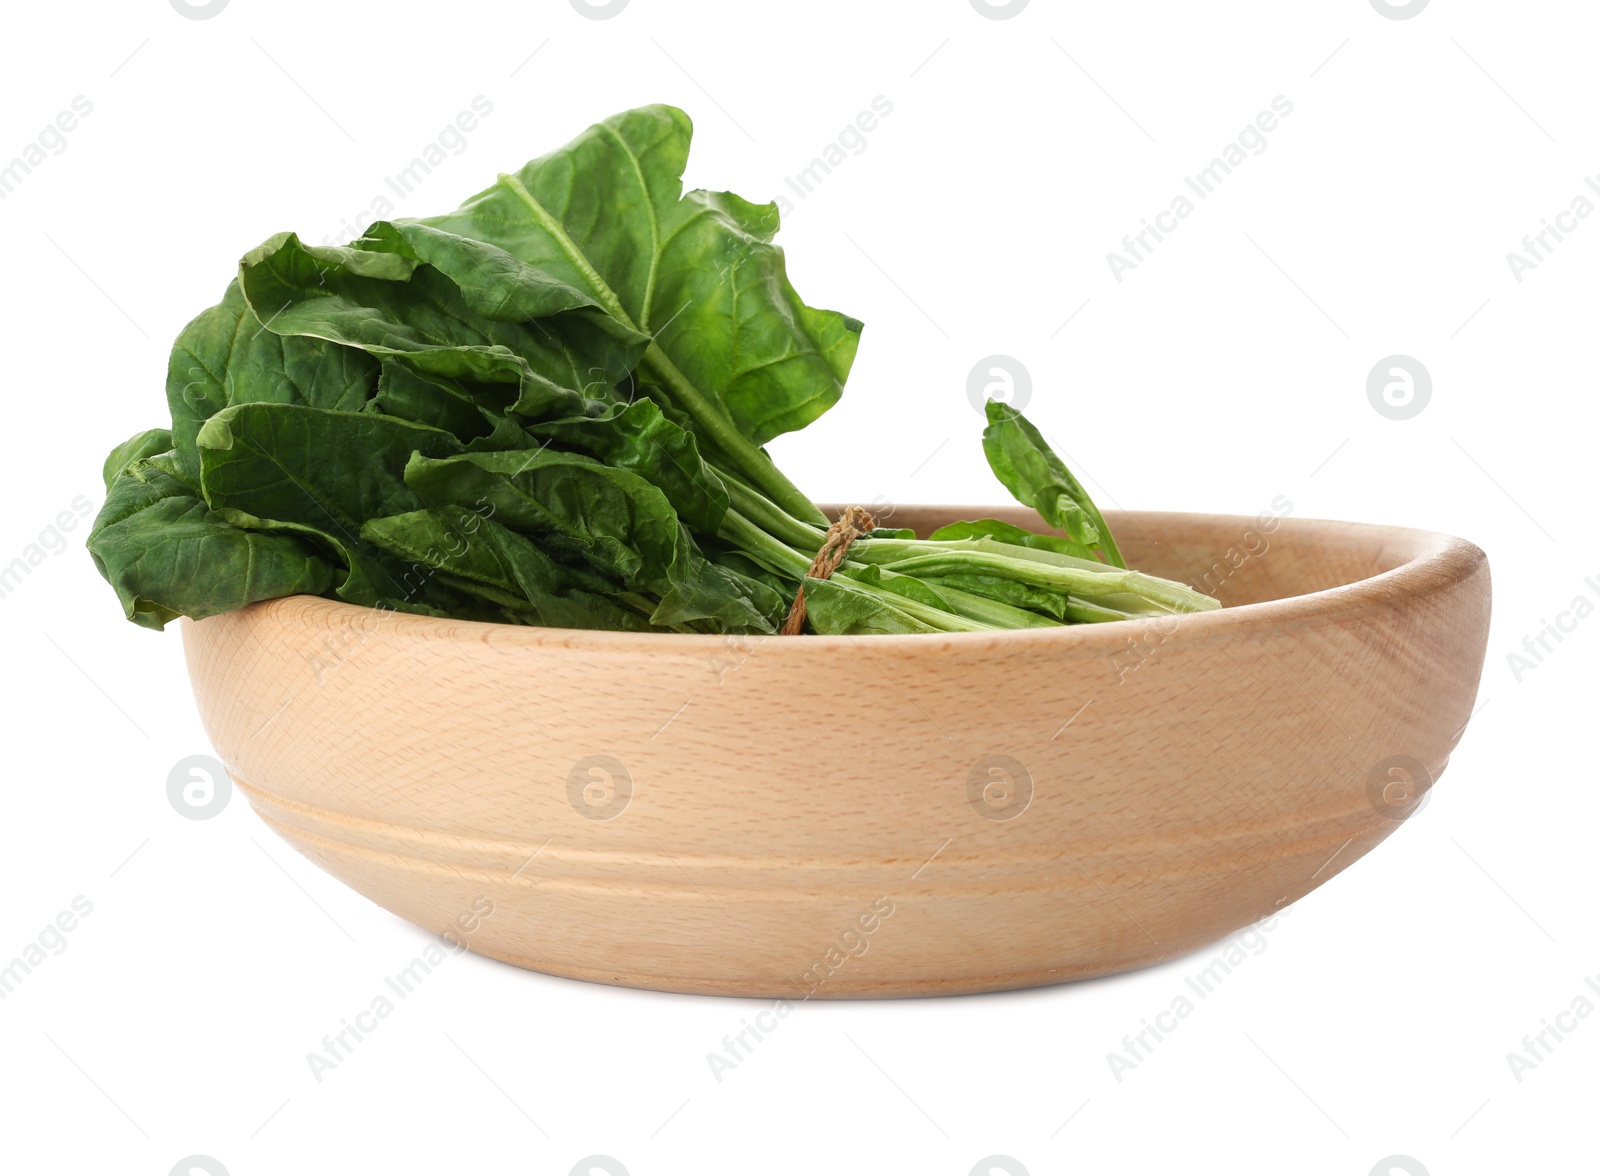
{"x":1036,"y":477}
{"x":169,"y":555}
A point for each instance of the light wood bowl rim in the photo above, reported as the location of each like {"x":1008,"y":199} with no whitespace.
{"x":1434,"y":561}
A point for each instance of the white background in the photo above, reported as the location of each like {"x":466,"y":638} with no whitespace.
{"x":1228,"y":368}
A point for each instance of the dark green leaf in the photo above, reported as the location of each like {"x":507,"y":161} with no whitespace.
{"x":480,"y":556}
{"x":168,"y":555}
{"x":1019,"y":595}
{"x":226,"y":357}
{"x":429,"y":400}
{"x":616,"y":521}
{"x":836,"y":607}
{"x":736,"y":349}
{"x":637,"y":437}
{"x":393,"y":306}
{"x":140,"y":445}
{"x":322,"y":473}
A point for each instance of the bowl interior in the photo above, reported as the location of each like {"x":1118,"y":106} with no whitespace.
{"x":1224,"y":555}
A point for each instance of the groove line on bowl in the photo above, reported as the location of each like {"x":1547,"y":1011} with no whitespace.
{"x":666,"y":876}
{"x":1216,"y":842}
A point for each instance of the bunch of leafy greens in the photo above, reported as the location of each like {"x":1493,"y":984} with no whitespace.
{"x":549,"y":407}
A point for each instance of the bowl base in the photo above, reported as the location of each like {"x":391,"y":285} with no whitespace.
{"x":785,"y":990}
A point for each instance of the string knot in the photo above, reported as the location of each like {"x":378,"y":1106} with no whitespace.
{"x":854,"y":523}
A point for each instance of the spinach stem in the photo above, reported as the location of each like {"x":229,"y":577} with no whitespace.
{"x":734,"y":444}
{"x":995,"y":613}
{"x":770,"y":553}
{"x":768,"y":515}
{"x":1043,"y":574}
{"x":777,"y":557}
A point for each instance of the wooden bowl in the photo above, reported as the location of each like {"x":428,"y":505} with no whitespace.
{"x":881,"y":816}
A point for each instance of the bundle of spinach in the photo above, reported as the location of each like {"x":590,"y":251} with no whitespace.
{"x":549,"y":407}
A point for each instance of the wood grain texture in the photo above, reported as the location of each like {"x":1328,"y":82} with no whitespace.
{"x":805,"y":818}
